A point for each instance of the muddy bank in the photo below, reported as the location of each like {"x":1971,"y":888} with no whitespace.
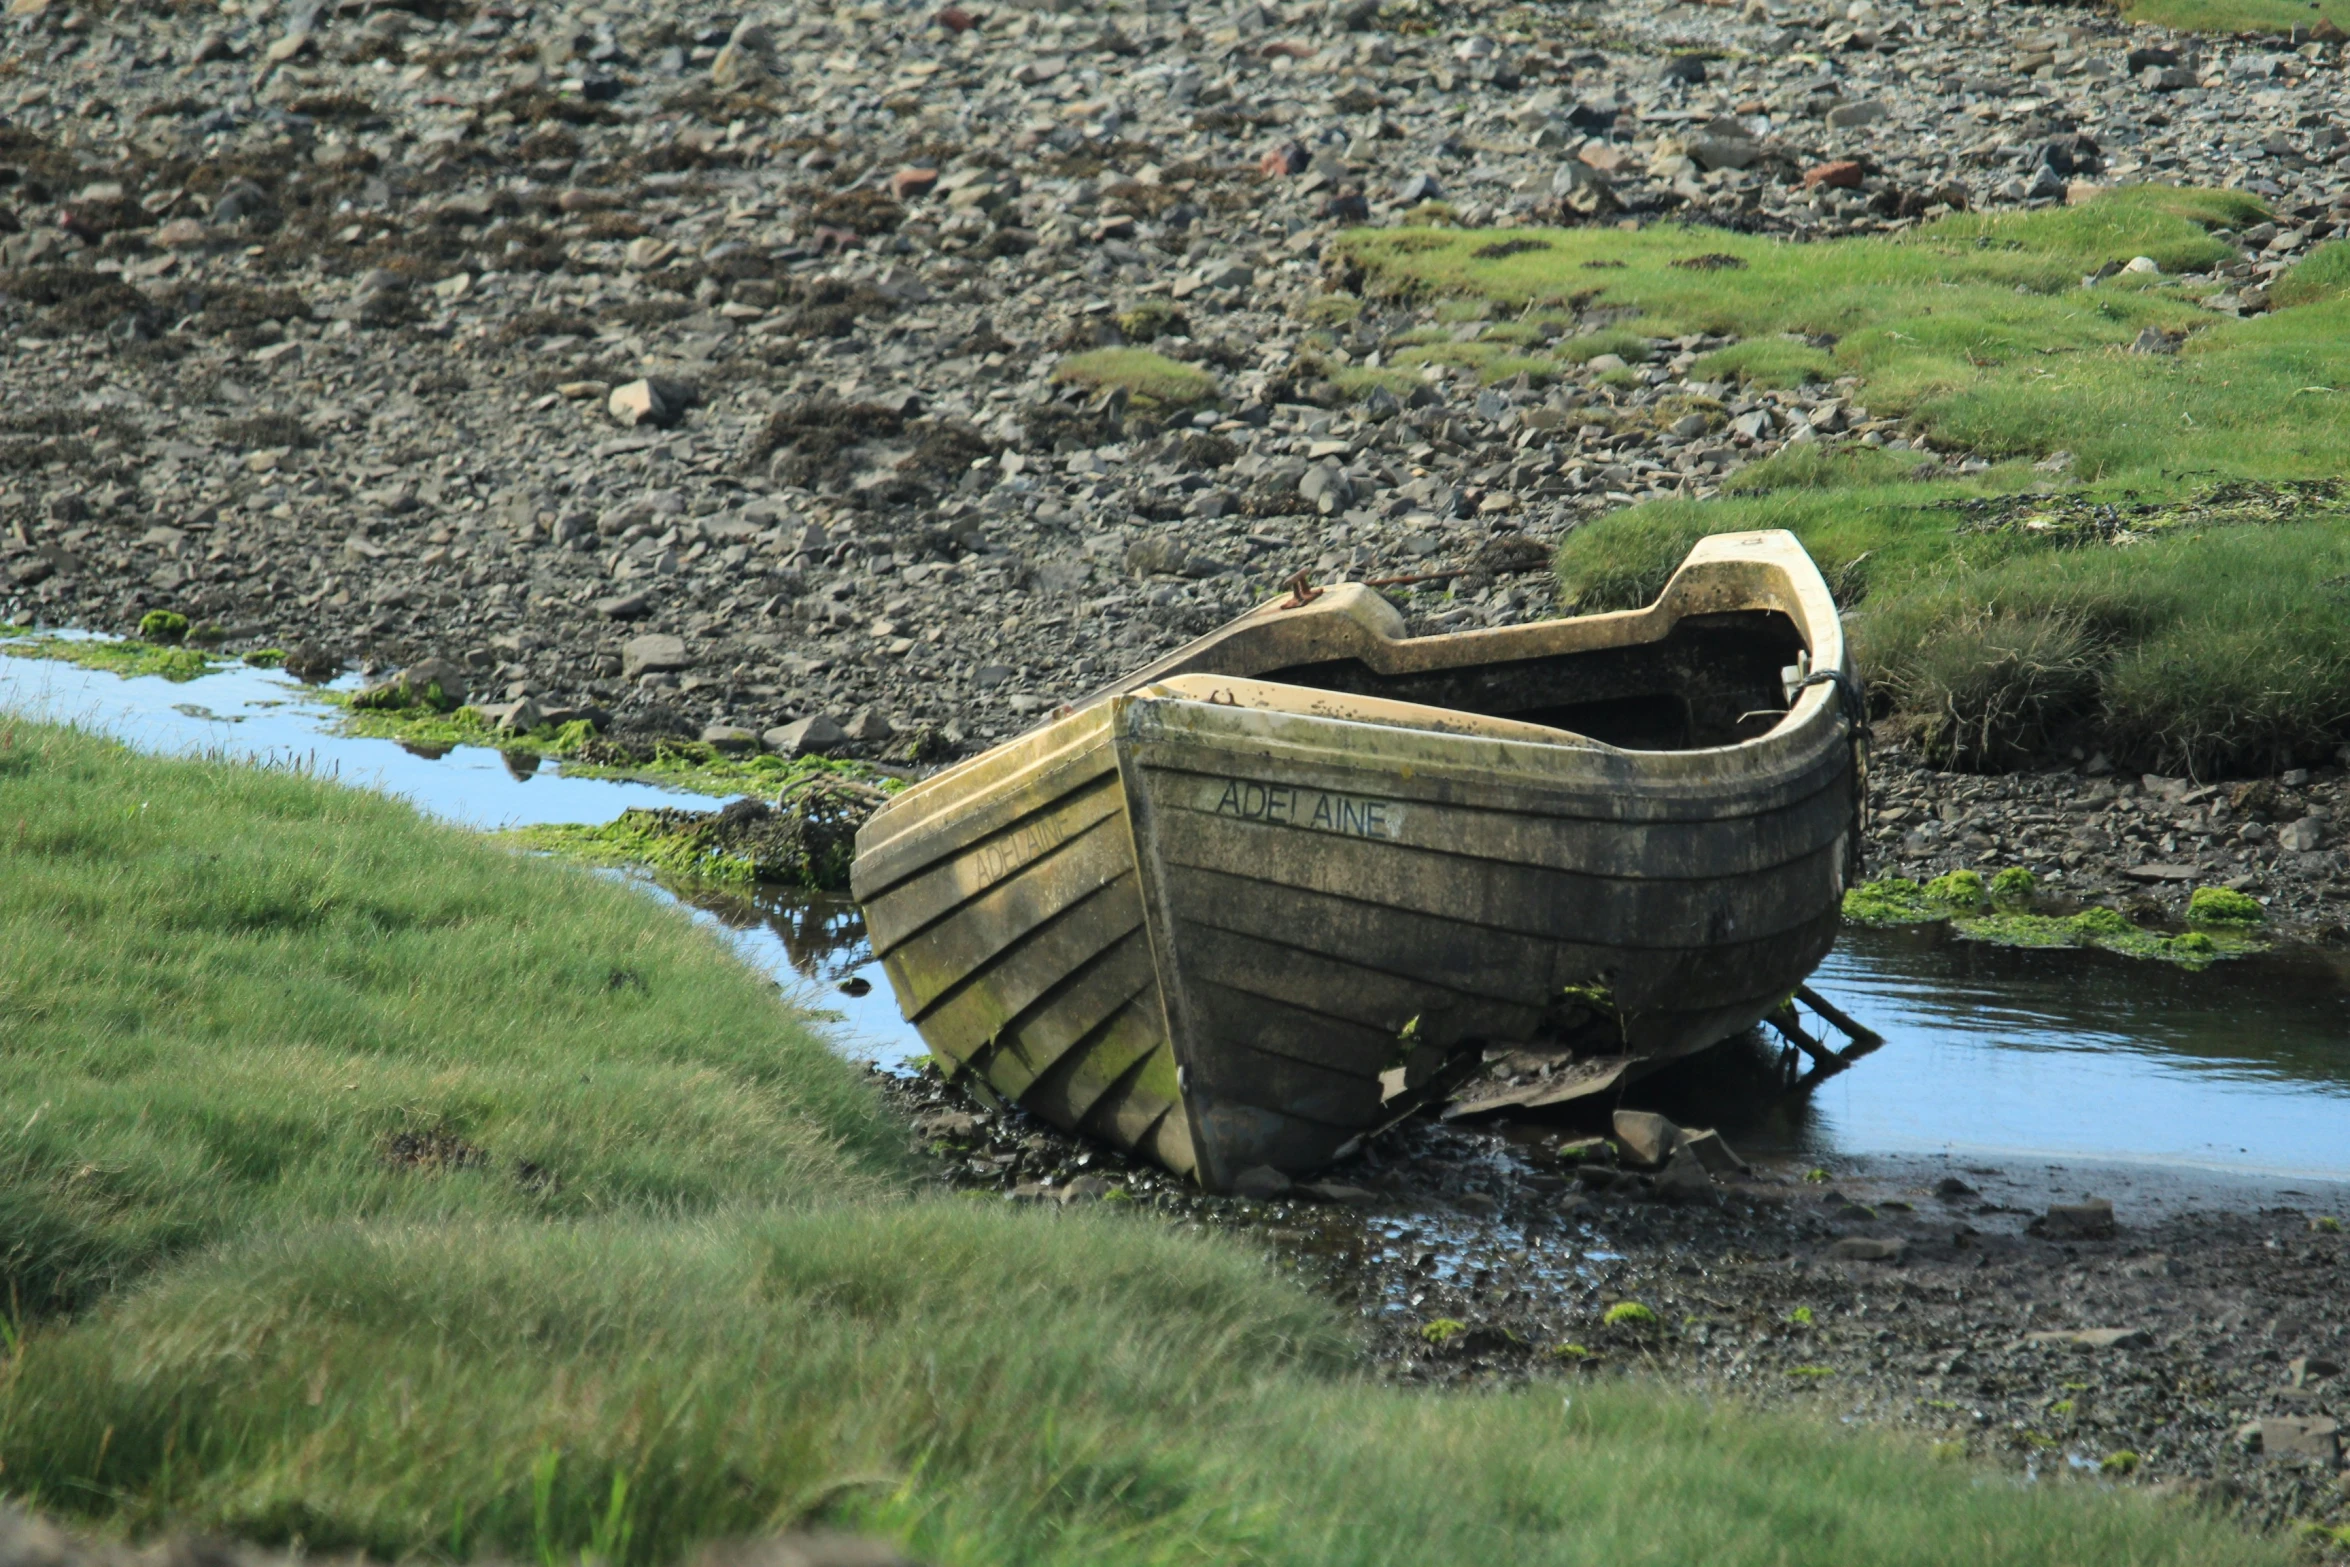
{"x":1922,"y":1294}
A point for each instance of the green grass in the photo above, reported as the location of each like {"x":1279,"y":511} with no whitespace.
{"x":2236,"y":16}
{"x":1147,"y":376}
{"x":371,"y":1186}
{"x":2180,"y":594}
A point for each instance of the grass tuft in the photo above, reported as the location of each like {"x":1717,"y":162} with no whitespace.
{"x":1145,"y":375}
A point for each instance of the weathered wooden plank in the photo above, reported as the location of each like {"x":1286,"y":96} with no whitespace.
{"x":990,"y":998}
{"x":1172,"y":725}
{"x":1070,"y":1012}
{"x":1066,"y":1092}
{"x":947,"y":952}
{"x":1341,"y":1015}
{"x":1143,"y":1110}
{"x":1531,"y":900}
{"x":919,"y":901}
{"x":1405,"y":946}
{"x":1377,"y":802}
{"x":946,"y":815}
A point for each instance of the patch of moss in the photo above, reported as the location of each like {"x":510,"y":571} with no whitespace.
{"x":1146,"y":376}
{"x":1443,"y":1330}
{"x":266,"y":658}
{"x":117,"y":656}
{"x":1959,"y":889}
{"x":166,"y":626}
{"x":1153,"y":318}
{"x":2219,"y":906}
{"x":1624,"y":1311}
{"x":2000,"y":913}
{"x":806,"y":838}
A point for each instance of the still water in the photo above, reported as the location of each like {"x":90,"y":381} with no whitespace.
{"x":1988,"y":1052}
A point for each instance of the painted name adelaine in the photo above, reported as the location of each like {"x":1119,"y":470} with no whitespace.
{"x":1286,"y":805}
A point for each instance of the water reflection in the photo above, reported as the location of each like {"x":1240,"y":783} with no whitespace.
{"x":815,"y":946}
{"x":266,"y":716}
{"x":2244,"y":1066}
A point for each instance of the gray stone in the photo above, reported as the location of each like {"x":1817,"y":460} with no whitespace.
{"x":1851,"y":116}
{"x":2297,"y":1436}
{"x":868,"y":727}
{"x":1863,"y":1248}
{"x":1340,"y":1192}
{"x":815,"y":735}
{"x":419,"y":678}
{"x":1713,"y":1151}
{"x":646,"y":403}
{"x":2079,"y":1221}
{"x":1646,"y":1137}
{"x":2091,"y":1338}
{"x":1261,"y":1182}
{"x":2303,"y":836}
{"x":1684,"y":1176}
{"x":654,"y":652}
{"x":512,"y":718}
{"x":625,"y":606}
{"x":729,"y":737}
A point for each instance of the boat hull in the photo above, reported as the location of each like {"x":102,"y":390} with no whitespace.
{"x":1224,"y":921}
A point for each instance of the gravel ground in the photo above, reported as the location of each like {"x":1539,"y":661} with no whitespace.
{"x":1902,"y":1293}
{"x":509,"y":334}
{"x":312,"y":312}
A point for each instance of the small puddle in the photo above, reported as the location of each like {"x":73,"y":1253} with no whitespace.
{"x":1989,"y":1050}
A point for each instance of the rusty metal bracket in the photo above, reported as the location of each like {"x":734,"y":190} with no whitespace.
{"x":1301,"y":590}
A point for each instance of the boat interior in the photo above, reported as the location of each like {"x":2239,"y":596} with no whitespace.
{"x":1714,"y":679}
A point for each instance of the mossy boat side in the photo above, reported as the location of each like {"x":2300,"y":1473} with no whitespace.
{"x":1224,"y":912}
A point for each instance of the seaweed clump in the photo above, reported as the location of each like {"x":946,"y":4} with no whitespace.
{"x":2001,"y":911}
{"x":807,"y":838}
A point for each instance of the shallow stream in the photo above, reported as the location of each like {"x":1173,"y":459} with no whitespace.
{"x":1989,"y":1051}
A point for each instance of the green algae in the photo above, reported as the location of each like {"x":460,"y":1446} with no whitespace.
{"x":2001,"y":912}
{"x":672,"y":761}
{"x":2220,"y":906}
{"x":114,"y":656}
{"x":163,"y":625}
{"x":806,"y":838}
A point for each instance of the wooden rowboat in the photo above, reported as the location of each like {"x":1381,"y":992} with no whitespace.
{"x":1234,"y":910}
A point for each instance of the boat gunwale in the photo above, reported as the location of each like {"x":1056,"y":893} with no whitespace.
{"x":1718,"y":556}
